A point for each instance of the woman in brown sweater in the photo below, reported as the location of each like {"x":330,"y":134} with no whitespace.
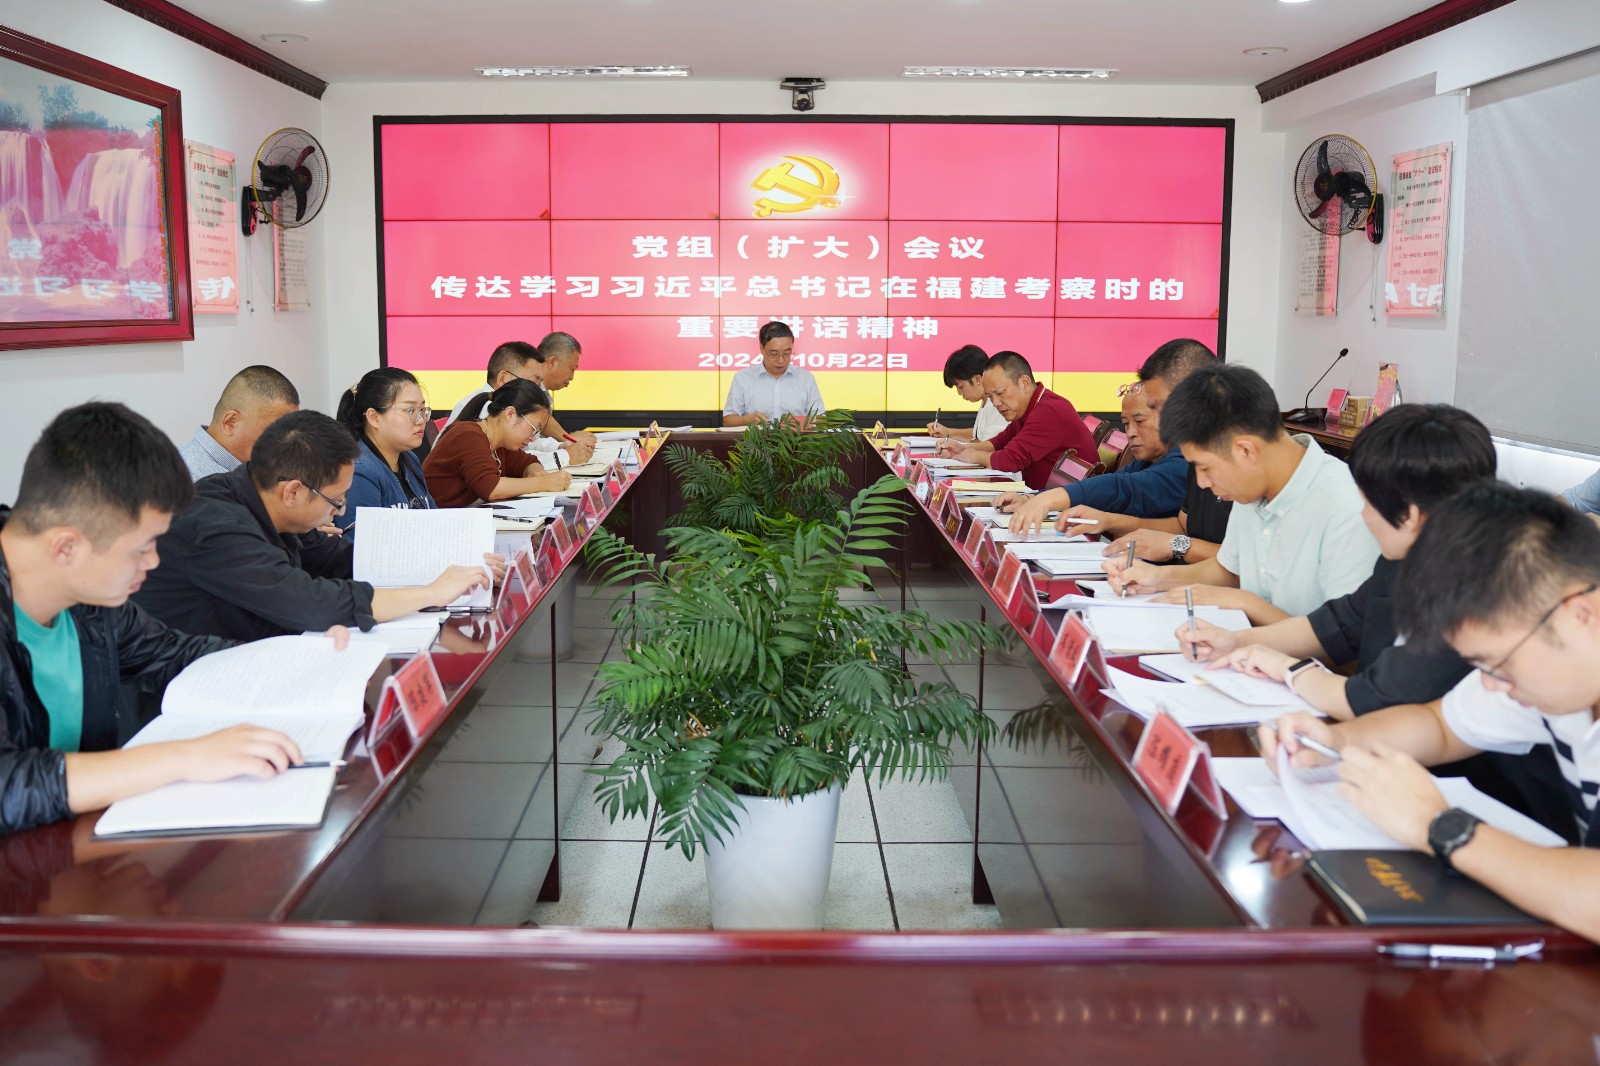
{"x":480,"y":456}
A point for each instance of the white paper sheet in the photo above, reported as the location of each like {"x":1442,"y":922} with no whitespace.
{"x":1257,"y":691}
{"x":620,"y":434}
{"x":1192,"y":705}
{"x":279,"y":675}
{"x":1153,"y":627}
{"x":404,"y":548}
{"x":293,"y":798}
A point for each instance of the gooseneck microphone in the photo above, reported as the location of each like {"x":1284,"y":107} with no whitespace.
{"x":1306,"y":414}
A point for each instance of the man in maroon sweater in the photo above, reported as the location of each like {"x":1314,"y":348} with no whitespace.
{"x":1042,"y":425}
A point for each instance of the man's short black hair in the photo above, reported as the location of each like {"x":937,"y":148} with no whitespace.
{"x":1419,"y":454}
{"x":1013,"y":364}
{"x":1494,"y":555}
{"x":558,"y":345}
{"x":773,"y":330}
{"x":512,"y":356}
{"x":1216,"y":403}
{"x":965,"y":363}
{"x":1176,"y":360}
{"x":306,"y":446}
{"x":96,"y":467}
{"x":254,"y":387}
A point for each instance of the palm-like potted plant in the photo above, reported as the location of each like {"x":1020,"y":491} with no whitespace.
{"x":784,"y":467}
{"x":752,"y":689}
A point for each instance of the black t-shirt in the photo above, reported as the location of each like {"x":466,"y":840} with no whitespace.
{"x":1206,"y":516}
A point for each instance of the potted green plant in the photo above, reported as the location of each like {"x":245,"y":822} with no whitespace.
{"x":778,"y":468}
{"x":752,"y":689}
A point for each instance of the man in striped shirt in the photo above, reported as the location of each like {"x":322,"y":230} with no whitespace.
{"x":1510,"y":579}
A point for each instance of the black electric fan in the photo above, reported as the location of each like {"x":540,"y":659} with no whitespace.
{"x":289,"y":182}
{"x":1335,"y":187}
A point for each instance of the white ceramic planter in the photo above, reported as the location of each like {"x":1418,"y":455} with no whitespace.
{"x":772,"y":871}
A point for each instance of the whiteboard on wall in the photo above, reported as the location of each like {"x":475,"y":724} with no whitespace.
{"x":1529,"y":360}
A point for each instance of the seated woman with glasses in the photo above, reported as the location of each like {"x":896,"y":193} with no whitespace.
{"x":386,"y":414}
{"x":480,"y":456}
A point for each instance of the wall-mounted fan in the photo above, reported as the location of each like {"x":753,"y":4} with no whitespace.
{"x":1335,"y":187}
{"x":289,"y":182}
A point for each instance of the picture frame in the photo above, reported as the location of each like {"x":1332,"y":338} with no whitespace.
{"x":93,"y":233}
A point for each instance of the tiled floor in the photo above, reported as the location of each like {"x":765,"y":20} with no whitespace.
{"x":903,"y":858}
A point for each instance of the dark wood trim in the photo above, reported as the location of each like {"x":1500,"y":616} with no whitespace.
{"x":194,"y":28}
{"x":1422,"y":24}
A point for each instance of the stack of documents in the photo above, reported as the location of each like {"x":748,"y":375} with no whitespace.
{"x":1192,"y":704}
{"x":917,"y":443}
{"x":1061,"y":557}
{"x":301,"y":686}
{"x":402,"y":548}
{"x":406,"y":635}
{"x":619,"y":435}
{"x":1309,"y":804}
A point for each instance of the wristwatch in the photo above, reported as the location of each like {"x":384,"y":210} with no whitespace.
{"x":1449,"y":830}
{"x":1296,"y":669}
{"x":1180,"y":547}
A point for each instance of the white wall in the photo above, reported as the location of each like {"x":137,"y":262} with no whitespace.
{"x":349,"y":228}
{"x":1406,"y":99}
{"x":175,"y":384}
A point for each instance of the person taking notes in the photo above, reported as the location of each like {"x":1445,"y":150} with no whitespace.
{"x":776,"y":387}
{"x":1041,"y":426}
{"x":247,"y":560}
{"x":1510,"y":580}
{"x":385,"y":412}
{"x":98,"y":488}
{"x":483,"y":454}
{"x":963,"y":371}
{"x":1295,"y":536}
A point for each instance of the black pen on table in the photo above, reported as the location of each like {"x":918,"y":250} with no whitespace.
{"x":318,"y":764}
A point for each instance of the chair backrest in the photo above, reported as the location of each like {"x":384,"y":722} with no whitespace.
{"x":1099,"y":428}
{"x":1114,"y":449}
{"x":1069,"y":470}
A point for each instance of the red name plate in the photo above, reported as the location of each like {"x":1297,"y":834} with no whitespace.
{"x":422,"y":699}
{"x":653,"y":432}
{"x":527,"y":575}
{"x":1024,"y":606}
{"x":988,"y":557}
{"x":1165,"y":759}
{"x":941,"y":497}
{"x":618,"y":471}
{"x":563,"y":536}
{"x":549,"y":558}
{"x":975,"y":533}
{"x":1005,"y":582}
{"x":878,"y":432}
{"x":1071,"y":648}
{"x":608,"y":493}
{"x":386,"y":714}
{"x":900,"y":457}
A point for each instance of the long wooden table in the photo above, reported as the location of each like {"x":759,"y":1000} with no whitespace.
{"x":1131,"y":933}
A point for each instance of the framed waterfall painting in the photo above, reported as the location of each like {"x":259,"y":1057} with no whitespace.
{"x":93,"y":248}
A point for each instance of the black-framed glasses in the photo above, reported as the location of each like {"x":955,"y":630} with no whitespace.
{"x":1544,"y":619}
{"x":337,"y":505}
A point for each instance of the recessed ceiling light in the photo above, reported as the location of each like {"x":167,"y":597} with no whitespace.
{"x":1020,"y":73}
{"x":1291,"y":1}
{"x":584,"y":72}
{"x":284,"y":38}
{"x":1265,"y":50}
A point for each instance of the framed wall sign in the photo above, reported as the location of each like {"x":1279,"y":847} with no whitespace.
{"x":93,"y":242}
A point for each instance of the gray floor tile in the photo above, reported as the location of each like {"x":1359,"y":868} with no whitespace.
{"x":515,"y":890}
{"x":586,"y":819}
{"x":933,"y":887}
{"x":857,"y":892}
{"x":926,"y":812}
{"x":598,"y":878}
{"x":590,"y":645}
{"x":437,"y":881}
{"x":855,"y":813}
{"x":467,"y":800}
{"x":502,"y":734}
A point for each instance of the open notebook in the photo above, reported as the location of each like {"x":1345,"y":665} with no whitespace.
{"x":301,"y":686}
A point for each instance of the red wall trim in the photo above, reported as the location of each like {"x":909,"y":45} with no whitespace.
{"x":1422,"y":24}
{"x":201,"y":32}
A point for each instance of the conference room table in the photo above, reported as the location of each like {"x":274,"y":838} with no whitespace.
{"x":1129,"y":931}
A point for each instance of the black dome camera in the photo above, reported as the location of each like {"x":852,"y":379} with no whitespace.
{"x":804,"y":90}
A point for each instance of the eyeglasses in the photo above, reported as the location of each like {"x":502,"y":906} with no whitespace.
{"x":417,"y":415}
{"x":337,"y":505}
{"x":537,"y":432}
{"x":1495,"y":670}
{"x":1129,"y":389}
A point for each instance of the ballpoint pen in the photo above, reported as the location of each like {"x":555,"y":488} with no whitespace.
{"x":1462,"y":952}
{"x":1188,"y":604}
{"x":317,"y":764}
{"x":1125,"y":568}
{"x":1319,"y":747}
{"x":1083,"y":521}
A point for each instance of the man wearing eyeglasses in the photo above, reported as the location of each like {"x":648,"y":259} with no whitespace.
{"x":1510,"y":579}
{"x":248,"y":561}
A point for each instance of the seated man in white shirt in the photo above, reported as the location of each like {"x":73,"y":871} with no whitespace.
{"x":1510,"y":579}
{"x":552,"y":369}
{"x":963,"y":371}
{"x":774,"y":388}
{"x":1295,"y":538}
{"x":253,"y":399}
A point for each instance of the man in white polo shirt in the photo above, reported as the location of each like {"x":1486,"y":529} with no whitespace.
{"x":1295,"y":539}
{"x":1510,"y":579}
{"x":774,"y":388}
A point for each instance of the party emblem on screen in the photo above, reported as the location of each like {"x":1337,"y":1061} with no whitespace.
{"x":797,"y":191}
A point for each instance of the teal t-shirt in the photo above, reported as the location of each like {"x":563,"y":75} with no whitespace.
{"x":57,"y":675}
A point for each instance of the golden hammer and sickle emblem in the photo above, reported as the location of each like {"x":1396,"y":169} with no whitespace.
{"x":823,"y":192}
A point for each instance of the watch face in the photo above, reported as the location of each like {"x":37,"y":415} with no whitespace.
{"x":1451,"y":829}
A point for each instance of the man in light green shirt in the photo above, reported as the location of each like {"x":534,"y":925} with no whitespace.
{"x":1295,"y":539}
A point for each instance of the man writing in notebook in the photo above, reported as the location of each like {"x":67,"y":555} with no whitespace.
{"x":1295,"y":536}
{"x":98,"y":489}
{"x":247,"y":560}
{"x":1041,"y":426}
{"x":1510,"y":579}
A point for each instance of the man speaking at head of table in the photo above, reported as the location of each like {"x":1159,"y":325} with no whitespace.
{"x":773,"y":388}
{"x":1040,"y":425}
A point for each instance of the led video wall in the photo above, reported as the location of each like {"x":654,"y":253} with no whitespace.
{"x":663,"y":247}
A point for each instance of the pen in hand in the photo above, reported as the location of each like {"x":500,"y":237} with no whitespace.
{"x":1318,"y":746}
{"x":1125,"y":568}
{"x":1188,"y":603}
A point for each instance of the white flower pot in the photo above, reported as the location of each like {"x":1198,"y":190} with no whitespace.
{"x":772,"y":871}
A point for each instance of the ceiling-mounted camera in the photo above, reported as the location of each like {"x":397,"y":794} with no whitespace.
{"x":804,"y":90}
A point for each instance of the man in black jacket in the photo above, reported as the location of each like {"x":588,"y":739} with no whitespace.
{"x":98,"y":488}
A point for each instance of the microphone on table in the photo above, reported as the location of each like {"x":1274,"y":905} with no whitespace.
{"x":1307,"y":415}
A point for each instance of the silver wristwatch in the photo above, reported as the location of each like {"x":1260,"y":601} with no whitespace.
{"x":1180,"y":547}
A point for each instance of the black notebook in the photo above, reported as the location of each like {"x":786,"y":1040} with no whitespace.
{"x":1407,"y":888}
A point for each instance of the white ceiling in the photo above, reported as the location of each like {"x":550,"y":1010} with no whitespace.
{"x":1149,"y":41}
